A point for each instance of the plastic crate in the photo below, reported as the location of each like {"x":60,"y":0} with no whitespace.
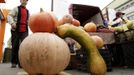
{"x":117,"y":54}
{"x":81,"y":56}
{"x":128,"y":53}
{"x":105,"y":53}
{"x":7,"y":55}
{"x":121,"y":37}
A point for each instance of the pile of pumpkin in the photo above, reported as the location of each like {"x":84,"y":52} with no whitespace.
{"x":46,"y":53}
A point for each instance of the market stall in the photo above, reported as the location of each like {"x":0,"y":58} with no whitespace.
{"x":85,"y":14}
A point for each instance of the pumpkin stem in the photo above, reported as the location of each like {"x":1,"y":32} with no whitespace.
{"x":41,"y":10}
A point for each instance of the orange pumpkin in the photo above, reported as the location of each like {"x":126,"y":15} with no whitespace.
{"x":2,"y":1}
{"x":98,"y":41}
{"x":90,"y":27}
{"x":76,"y":22}
{"x":44,"y":53}
{"x":43,"y":22}
{"x":68,"y":18}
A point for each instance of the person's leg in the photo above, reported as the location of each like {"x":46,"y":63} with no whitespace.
{"x":22,"y":37}
{"x":12,"y":52}
{"x":15,"y":43}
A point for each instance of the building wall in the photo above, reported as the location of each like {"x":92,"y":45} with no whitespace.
{"x":116,"y":3}
{"x":126,"y":6}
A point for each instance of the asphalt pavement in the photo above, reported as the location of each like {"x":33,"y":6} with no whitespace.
{"x":5,"y":69}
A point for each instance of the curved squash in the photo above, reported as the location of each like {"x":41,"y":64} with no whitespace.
{"x":95,"y":62}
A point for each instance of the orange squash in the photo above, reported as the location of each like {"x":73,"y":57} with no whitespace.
{"x":44,"y":54}
{"x":68,"y":18}
{"x":95,"y":63}
{"x":90,"y":27}
{"x":98,"y":41}
{"x":2,"y":1}
{"x":43,"y":22}
{"x":76,"y":22}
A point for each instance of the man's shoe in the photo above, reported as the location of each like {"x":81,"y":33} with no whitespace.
{"x":13,"y":66}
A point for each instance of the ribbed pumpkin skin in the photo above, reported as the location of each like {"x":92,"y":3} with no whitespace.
{"x":43,"y":22}
{"x":44,"y":53}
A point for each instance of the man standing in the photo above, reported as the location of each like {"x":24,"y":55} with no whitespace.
{"x":18,"y":19}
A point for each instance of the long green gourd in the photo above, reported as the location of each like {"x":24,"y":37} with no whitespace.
{"x":95,"y":62}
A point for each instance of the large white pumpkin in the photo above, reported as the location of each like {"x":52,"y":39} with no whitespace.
{"x":44,"y":53}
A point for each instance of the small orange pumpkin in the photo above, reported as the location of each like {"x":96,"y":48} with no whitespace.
{"x":43,"y":22}
{"x":68,"y":18}
{"x":2,"y":1}
{"x":98,"y":41}
{"x":90,"y":27}
{"x":76,"y":22}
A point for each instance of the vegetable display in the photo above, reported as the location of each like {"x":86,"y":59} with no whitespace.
{"x":95,"y":62}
